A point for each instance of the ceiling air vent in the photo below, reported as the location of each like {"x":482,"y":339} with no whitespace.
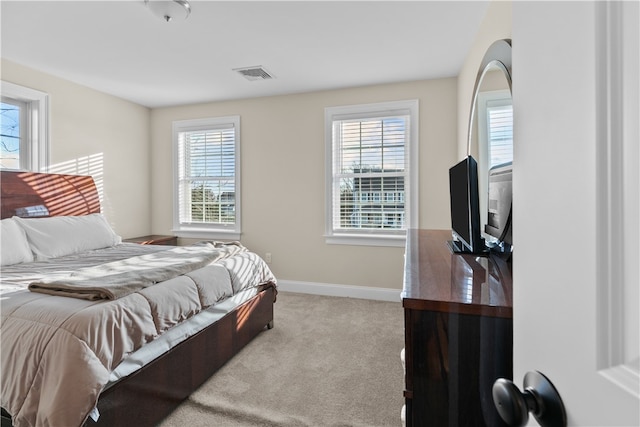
{"x":254,"y":73}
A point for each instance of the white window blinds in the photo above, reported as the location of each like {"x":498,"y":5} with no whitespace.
{"x":369,"y":173}
{"x":207,"y":181}
{"x":500,"y":133}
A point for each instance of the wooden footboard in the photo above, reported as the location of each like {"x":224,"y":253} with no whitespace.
{"x":150,"y":394}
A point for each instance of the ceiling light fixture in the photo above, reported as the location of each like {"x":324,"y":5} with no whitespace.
{"x":169,"y":10}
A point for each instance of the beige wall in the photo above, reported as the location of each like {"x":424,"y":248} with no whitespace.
{"x":283,"y":177}
{"x":98,"y":134}
{"x":495,"y":26}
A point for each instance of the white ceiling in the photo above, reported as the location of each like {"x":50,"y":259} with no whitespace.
{"x":121,"y":48}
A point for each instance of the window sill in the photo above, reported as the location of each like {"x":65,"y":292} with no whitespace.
{"x":366,"y":240}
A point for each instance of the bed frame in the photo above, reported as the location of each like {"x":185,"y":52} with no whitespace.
{"x":148,"y":395}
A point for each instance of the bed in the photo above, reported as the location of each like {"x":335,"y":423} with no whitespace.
{"x":98,"y":332}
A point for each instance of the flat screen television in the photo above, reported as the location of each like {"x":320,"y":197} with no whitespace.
{"x":498,"y":227}
{"x":465,"y":208}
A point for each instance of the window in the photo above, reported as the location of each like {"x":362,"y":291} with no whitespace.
{"x":495,"y":126}
{"x":371,"y":153}
{"x":207,"y":179}
{"x":24,"y":141}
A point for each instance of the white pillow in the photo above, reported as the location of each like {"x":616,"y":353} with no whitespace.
{"x":66,"y":235}
{"x":14,"y":247}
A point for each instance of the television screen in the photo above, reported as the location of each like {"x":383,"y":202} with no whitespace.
{"x":465,"y":210}
{"x":498,"y":225}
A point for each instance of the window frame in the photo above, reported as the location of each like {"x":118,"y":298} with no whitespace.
{"x":37,"y":158}
{"x":374,"y":237}
{"x":206,"y":230}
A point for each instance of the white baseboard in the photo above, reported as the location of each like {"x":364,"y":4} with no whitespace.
{"x":362,"y":292}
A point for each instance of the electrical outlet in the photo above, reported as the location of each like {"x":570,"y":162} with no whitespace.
{"x":267,"y":257}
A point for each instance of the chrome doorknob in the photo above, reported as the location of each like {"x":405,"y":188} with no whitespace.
{"x":539,"y":397}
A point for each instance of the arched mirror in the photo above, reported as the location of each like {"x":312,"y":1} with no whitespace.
{"x":490,"y":142}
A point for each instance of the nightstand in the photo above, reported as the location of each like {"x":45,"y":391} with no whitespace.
{"x":154,"y":239}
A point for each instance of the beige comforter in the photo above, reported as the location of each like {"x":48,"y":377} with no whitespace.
{"x":57,"y":352}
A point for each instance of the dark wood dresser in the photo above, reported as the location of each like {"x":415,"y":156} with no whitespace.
{"x":458,"y":332}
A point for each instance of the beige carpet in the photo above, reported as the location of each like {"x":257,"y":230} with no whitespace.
{"x":329,"y":361}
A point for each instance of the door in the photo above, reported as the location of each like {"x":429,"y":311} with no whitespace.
{"x":575,"y":203}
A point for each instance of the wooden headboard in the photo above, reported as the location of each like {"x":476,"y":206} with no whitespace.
{"x":33,"y":194}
